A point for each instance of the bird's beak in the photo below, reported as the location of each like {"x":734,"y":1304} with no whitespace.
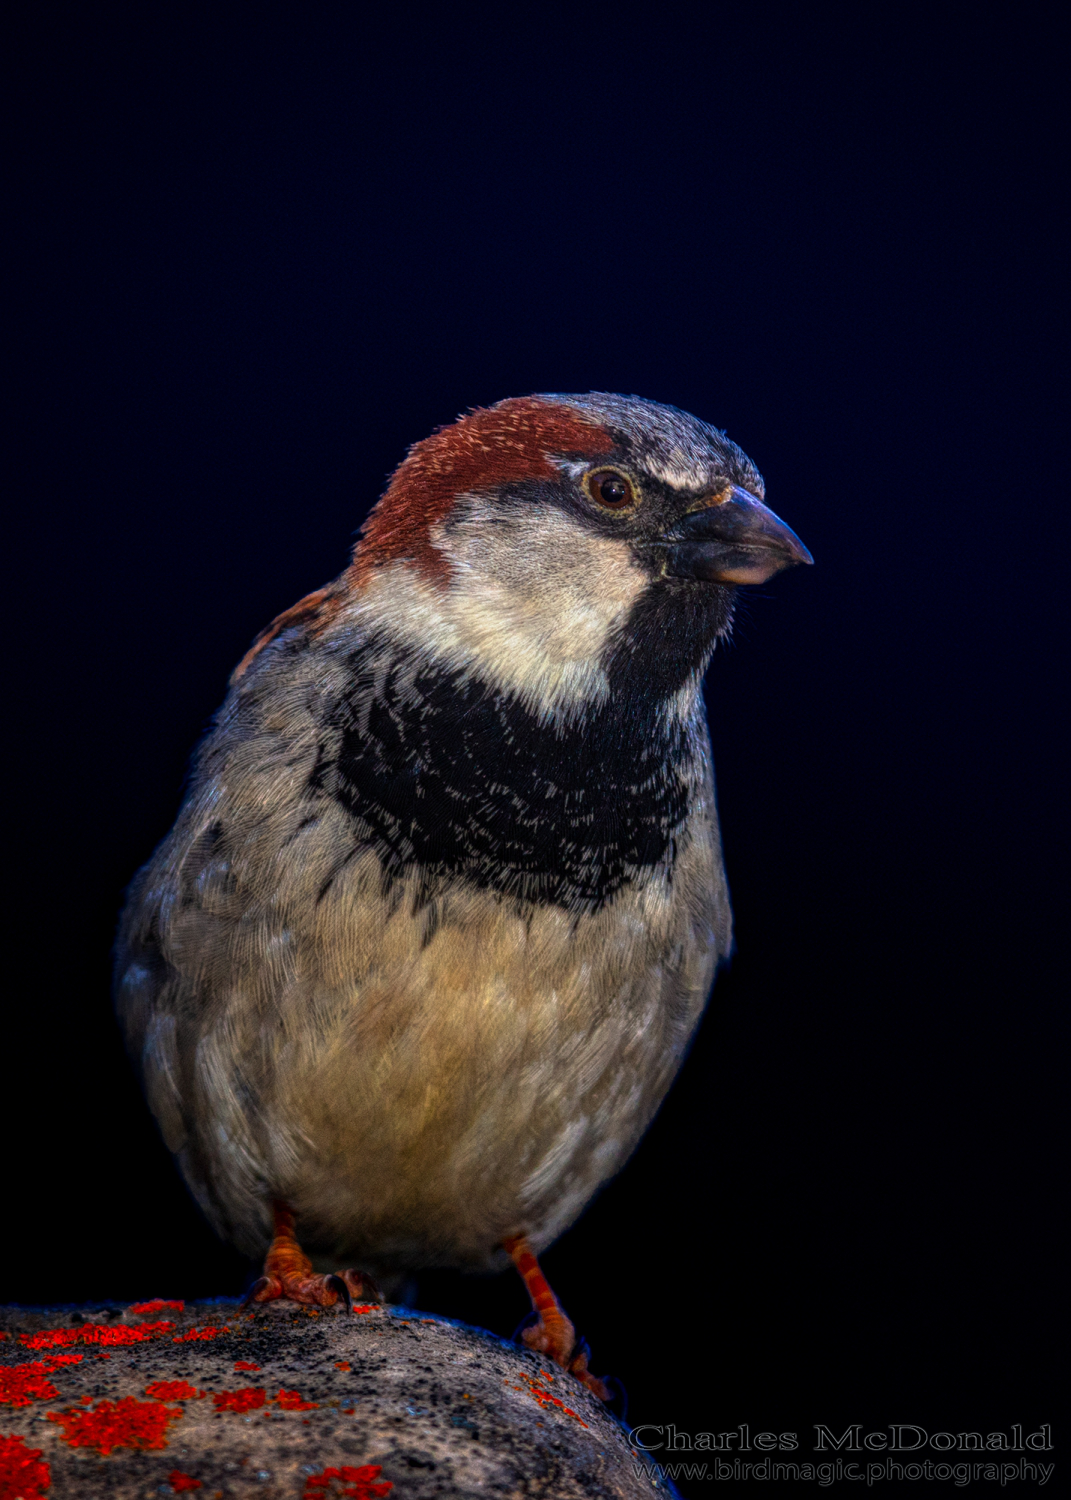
{"x":734,"y":539}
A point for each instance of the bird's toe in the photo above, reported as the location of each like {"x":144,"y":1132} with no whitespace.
{"x":309,"y":1291}
{"x":264,"y":1289}
{"x":577,"y":1365}
{"x":361,"y":1287}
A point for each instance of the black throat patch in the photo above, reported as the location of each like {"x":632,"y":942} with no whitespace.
{"x":458,"y":780}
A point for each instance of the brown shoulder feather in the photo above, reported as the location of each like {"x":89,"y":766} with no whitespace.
{"x":321,"y":605}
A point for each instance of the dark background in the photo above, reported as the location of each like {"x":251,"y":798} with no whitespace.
{"x":253,"y":263}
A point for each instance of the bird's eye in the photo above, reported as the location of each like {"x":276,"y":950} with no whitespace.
{"x":611,"y":489}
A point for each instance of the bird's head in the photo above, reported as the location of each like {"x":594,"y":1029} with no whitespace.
{"x":569,"y":547}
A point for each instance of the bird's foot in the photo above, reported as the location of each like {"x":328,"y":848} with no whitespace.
{"x":288,"y":1273}
{"x":556,"y":1337}
{"x":553,"y":1333}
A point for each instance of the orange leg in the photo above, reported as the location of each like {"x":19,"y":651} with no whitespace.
{"x":288,"y":1273}
{"x":553,"y":1334}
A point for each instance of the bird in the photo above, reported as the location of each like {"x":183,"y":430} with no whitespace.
{"x":443,"y":904}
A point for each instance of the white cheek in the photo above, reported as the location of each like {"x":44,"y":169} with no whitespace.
{"x":537,"y":598}
{"x":541,"y":577}
{"x":530,"y":605}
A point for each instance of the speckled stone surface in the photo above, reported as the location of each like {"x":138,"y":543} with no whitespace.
{"x":386,"y":1402}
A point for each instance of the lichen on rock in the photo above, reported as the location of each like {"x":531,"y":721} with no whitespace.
{"x":389,"y":1403}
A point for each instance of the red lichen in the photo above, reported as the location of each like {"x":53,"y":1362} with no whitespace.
{"x":180,"y":1481}
{"x":294,"y":1401}
{"x":22,"y":1475}
{"x":354,"y":1483}
{"x":156,"y":1305}
{"x":173,"y":1390}
{"x":365,"y":1307}
{"x":94,"y":1333}
{"x":247,"y":1399}
{"x":21,"y":1384}
{"x":127,"y":1423}
{"x":195,"y":1334}
{"x":342,"y":1364}
{"x":487,"y":447}
{"x":49,"y":1337}
{"x":245,"y":1364}
{"x":542,"y":1396}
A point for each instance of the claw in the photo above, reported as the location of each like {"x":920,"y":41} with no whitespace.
{"x":337,"y":1284}
{"x":579,"y":1354}
{"x":361,"y":1287}
{"x":260,"y":1285}
{"x":577,"y":1365}
{"x":517,"y":1337}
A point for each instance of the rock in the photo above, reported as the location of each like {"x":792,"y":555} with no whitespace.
{"x":161,"y":1399}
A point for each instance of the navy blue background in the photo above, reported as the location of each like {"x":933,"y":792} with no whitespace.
{"x":253,"y":263}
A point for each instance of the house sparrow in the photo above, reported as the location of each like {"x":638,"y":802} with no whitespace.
{"x":439,"y":915}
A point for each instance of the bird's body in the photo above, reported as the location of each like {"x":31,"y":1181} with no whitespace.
{"x":419,"y":1067}
{"x":441,"y":910}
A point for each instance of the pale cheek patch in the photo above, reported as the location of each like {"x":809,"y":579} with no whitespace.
{"x":536,"y":594}
{"x":530,"y":605}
